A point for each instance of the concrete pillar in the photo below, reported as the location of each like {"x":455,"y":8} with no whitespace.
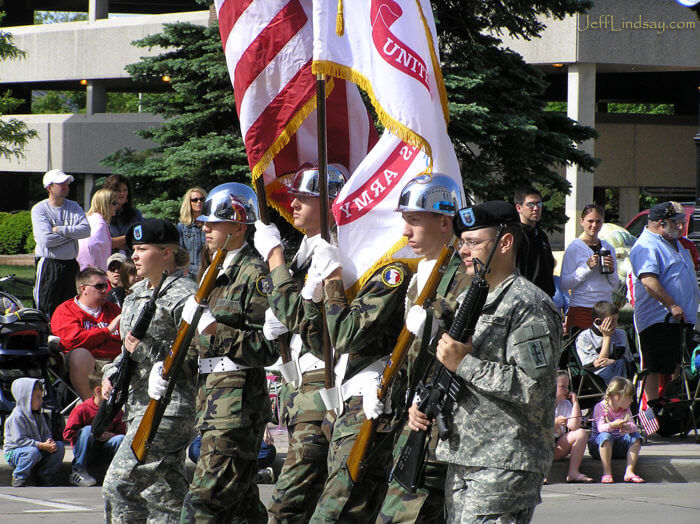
{"x":98,"y":9}
{"x":629,"y":204}
{"x":580,"y":107}
{"x":96,"y":98}
{"x":88,"y":185}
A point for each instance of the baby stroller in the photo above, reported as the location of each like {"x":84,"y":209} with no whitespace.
{"x":25,"y":352}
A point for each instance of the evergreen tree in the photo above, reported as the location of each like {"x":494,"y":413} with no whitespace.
{"x":502,"y":134}
{"x":14,"y":134}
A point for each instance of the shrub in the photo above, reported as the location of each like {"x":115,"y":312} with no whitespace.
{"x":14,"y":233}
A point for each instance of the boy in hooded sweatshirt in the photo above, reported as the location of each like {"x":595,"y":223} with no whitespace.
{"x":28,"y":442}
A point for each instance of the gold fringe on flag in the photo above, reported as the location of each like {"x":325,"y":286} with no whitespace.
{"x":339,"y":22}
{"x":439,"y":80}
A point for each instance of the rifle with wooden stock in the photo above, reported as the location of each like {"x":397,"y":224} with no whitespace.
{"x":122,"y":378}
{"x":363,"y":443}
{"x":176,"y":357}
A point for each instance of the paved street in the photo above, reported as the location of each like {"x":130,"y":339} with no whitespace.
{"x":673,"y":496}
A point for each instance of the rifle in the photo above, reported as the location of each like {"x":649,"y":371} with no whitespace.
{"x":121,"y":379}
{"x":438,"y":397}
{"x":146,"y":432}
{"x":358,"y":454}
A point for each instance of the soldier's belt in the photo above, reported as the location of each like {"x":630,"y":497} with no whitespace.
{"x":219,"y":365}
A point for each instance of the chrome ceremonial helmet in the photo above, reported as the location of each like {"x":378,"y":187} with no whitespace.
{"x":305,"y":181}
{"x":436,"y":193}
{"x":230,"y":202}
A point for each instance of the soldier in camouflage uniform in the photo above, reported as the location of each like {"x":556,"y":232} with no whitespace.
{"x":427,"y":205}
{"x":304,"y":472}
{"x":501,"y":443}
{"x":153,"y":491}
{"x":364,"y":332}
{"x":233,"y":404}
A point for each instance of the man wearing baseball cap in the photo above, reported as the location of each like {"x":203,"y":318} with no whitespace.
{"x":58,"y":224}
{"x":501,"y":444}
{"x":663,"y":276}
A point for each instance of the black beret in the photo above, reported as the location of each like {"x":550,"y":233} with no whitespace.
{"x":488,"y":214}
{"x":152,"y":231}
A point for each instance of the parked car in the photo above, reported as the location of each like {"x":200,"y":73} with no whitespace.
{"x":636,"y":225}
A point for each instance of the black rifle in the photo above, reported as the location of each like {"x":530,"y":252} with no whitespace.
{"x":438,"y":396}
{"x":121,"y":379}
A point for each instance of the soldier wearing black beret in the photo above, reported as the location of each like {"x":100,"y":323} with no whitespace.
{"x":152,"y":231}
{"x":501,"y":443}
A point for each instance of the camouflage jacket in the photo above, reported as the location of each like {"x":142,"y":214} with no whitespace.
{"x":236,"y":399}
{"x":504,"y":418}
{"x":366,"y":328}
{"x":156,"y":343}
{"x":303,"y":404}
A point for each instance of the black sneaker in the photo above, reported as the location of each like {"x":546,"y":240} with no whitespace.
{"x":265,"y":476}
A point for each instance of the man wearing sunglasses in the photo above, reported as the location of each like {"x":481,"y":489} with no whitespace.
{"x":500,"y":448}
{"x":534,"y":260}
{"x":88,"y":327}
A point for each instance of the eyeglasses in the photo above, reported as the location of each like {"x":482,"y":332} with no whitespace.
{"x":99,"y":287}
{"x":533,"y":205}
{"x":472,"y":243}
{"x":196,"y":199}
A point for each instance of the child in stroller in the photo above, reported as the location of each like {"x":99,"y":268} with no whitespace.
{"x":25,"y":352}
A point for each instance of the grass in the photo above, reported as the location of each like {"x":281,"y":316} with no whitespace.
{"x":24,"y":293}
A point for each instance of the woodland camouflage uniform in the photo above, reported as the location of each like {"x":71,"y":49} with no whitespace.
{"x":233,"y":407}
{"x":366,"y":329}
{"x":153,"y":491}
{"x":305,"y":471}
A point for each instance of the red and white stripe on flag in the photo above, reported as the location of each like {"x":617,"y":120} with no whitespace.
{"x":648,"y":421}
{"x":268,"y":46}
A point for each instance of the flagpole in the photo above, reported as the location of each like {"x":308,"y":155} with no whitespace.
{"x":323,"y":207}
{"x":264,"y":215}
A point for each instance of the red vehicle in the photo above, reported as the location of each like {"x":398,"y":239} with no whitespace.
{"x":636,"y":225}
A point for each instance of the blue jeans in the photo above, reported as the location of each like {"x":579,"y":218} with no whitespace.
{"x":620,"y":444}
{"x":99,"y":452}
{"x":23,"y":460}
{"x":616,"y":369}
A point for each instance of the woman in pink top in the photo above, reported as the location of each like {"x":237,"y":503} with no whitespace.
{"x":614,"y":434}
{"x":95,"y":250}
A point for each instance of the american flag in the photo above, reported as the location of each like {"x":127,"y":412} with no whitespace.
{"x":268,"y":46}
{"x":648,"y":421}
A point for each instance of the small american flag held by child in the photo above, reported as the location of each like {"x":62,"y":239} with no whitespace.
{"x":648,"y":421}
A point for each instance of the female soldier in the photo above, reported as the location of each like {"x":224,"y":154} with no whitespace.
{"x":153,"y":491}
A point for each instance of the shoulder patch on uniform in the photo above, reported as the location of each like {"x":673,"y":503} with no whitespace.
{"x":263,"y":285}
{"x":392,"y":276}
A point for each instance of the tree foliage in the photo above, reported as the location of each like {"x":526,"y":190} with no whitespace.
{"x":502,"y":134}
{"x":14,"y":134}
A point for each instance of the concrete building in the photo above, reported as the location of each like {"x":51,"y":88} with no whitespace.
{"x":89,"y":55}
{"x":647,"y":51}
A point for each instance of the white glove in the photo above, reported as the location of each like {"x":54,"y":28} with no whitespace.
{"x":273,"y":328}
{"x":326,"y":258}
{"x":266,"y":238}
{"x":415,"y":322}
{"x":205,"y":320}
{"x":313,"y":288}
{"x":372,"y":406}
{"x":157,"y":385}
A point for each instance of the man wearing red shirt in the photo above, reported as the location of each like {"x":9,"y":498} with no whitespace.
{"x":88,"y":327}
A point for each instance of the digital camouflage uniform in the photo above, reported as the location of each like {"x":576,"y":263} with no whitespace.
{"x":501,"y":444}
{"x":367,"y":330}
{"x":153,"y":491}
{"x":305,"y":471}
{"x":427,"y":504}
{"x":233,"y":407}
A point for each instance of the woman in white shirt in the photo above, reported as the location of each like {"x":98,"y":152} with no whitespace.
{"x":590,"y":277}
{"x":95,"y":250}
